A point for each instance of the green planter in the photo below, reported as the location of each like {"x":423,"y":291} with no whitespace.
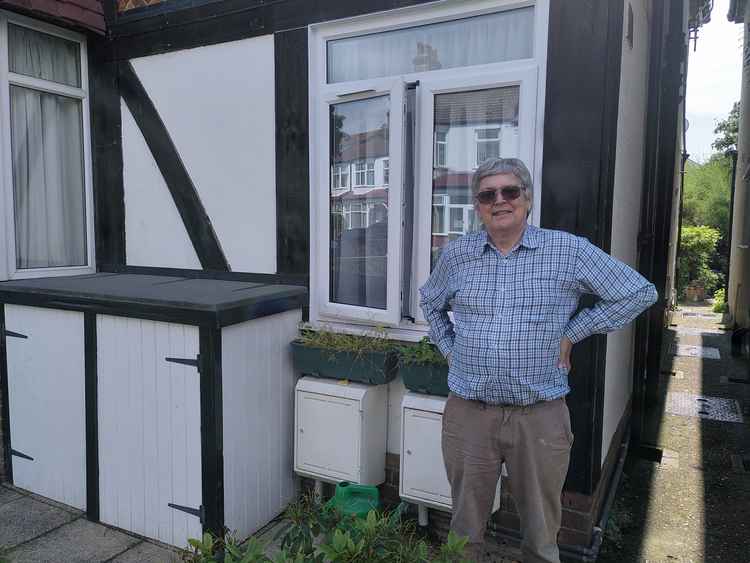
{"x":431,"y":379}
{"x":374,"y":368}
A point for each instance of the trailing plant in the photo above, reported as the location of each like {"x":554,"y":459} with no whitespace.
{"x":373,"y":341}
{"x":422,"y":352}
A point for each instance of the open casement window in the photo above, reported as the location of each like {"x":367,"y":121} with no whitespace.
{"x":44,"y":151}
{"x":359,"y":254}
{"x":410,"y":102}
{"x":498,"y":108}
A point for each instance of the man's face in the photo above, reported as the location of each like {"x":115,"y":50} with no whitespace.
{"x":503,"y":215}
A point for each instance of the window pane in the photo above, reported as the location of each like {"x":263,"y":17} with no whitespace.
{"x":359,"y":243}
{"x":465,"y":120}
{"x":490,"y":38}
{"x":48,"y":185}
{"x":44,"y":56}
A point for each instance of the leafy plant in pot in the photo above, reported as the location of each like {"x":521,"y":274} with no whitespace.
{"x":423,"y":368}
{"x":369,"y":358}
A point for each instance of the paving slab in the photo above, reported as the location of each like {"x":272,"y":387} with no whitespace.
{"x":26,"y":518}
{"x":148,"y":553}
{"x":8,"y":495}
{"x":79,"y":541}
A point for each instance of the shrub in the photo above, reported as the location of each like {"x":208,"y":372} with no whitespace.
{"x":319,"y":534}
{"x":697,"y":245}
{"x":720,"y":302}
{"x":422,"y":352}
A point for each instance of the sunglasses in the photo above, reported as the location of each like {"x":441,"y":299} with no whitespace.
{"x":509,"y":193}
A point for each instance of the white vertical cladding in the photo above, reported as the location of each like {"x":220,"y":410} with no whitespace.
{"x":626,"y":204}
{"x":258,"y":403}
{"x":218,"y":104}
{"x":154,"y":232}
{"x":46,"y":375}
{"x":149,"y":427}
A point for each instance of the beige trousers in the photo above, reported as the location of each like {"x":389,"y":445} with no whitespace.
{"x":534,"y":442}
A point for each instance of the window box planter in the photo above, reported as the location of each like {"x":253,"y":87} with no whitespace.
{"x":373,"y":367}
{"x":430,"y":379}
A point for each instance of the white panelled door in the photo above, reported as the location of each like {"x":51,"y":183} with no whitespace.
{"x":47,"y":402}
{"x":149,"y":428}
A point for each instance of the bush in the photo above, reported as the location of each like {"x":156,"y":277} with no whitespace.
{"x":720,"y":302}
{"x":697,"y":245}
{"x":319,"y":534}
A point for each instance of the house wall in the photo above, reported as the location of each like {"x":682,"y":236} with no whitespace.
{"x":228,"y":154}
{"x":739,"y":264}
{"x":626,"y":204}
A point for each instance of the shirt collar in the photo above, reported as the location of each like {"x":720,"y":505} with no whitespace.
{"x":530,"y":239}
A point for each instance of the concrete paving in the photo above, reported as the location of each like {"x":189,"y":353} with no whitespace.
{"x":694,"y":505}
{"x":37,"y":530}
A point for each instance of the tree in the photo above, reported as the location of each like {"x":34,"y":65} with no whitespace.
{"x":727,"y":130}
{"x":707,"y":193}
{"x":697,"y":244}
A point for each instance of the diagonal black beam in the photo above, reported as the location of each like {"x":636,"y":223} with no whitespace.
{"x":184,"y":194}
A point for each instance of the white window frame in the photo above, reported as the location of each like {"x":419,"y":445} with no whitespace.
{"x":442,"y":162}
{"x":320,"y":201}
{"x":479,"y":141}
{"x":386,"y":171}
{"x":8,"y":269}
{"x":525,"y":72}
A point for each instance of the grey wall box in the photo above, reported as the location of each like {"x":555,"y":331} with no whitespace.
{"x":160,"y":405}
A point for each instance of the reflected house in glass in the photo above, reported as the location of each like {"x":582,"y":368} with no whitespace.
{"x":331,"y":145}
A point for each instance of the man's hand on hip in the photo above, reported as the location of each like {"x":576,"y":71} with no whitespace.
{"x":566,"y":346}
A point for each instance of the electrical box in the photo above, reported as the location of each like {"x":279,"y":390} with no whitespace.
{"x":340,"y":431}
{"x":423,"y":477}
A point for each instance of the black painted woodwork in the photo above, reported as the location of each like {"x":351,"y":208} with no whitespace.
{"x":201,"y":302}
{"x":230,"y":20}
{"x":662,"y":140}
{"x":580,"y":135}
{"x":106,"y":153}
{"x":92,"y":416}
{"x":212,"y":430}
{"x":197,"y":223}
{"x":292,"y":153}
{"x":5,"y":400}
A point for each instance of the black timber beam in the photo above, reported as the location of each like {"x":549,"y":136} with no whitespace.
{"x":197,"y":223}
{"x":580,"y":136}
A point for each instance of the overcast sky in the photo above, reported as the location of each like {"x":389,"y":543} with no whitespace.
{"x":714,"y":77}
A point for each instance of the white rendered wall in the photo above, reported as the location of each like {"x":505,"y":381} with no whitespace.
{"x":626,"y":205}
{"x":218,"y":104}
{"x":258,"y":400}
{"x":154,"y":232}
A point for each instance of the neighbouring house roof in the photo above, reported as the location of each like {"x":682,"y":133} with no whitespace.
{"x":87,"y":14}
{"x":370,"y":144}
{"x":736,"y":12}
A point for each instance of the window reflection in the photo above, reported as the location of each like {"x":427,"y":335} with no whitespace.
{"x":470,"y":127}
{"x":359,"y":209}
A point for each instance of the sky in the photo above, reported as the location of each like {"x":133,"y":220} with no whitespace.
{"x":714,"y":78}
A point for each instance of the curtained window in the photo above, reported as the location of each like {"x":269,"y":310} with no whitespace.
{"x":46,"y":153}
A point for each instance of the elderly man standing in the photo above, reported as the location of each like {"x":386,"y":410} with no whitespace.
{"x":513,"y":289}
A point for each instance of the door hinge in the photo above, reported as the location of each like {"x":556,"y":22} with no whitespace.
{"x":15,"y":334}
{"x":196,"y":363}
{"x":199,"y":512}
{"x":20,"y":454}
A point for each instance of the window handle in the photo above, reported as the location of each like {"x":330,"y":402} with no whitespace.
{"x":355,"y":93}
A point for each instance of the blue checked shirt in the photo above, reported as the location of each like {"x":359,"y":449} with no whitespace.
{"x":510,"y":312}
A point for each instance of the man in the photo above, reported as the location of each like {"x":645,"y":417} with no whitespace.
{"x":513,"y":288}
